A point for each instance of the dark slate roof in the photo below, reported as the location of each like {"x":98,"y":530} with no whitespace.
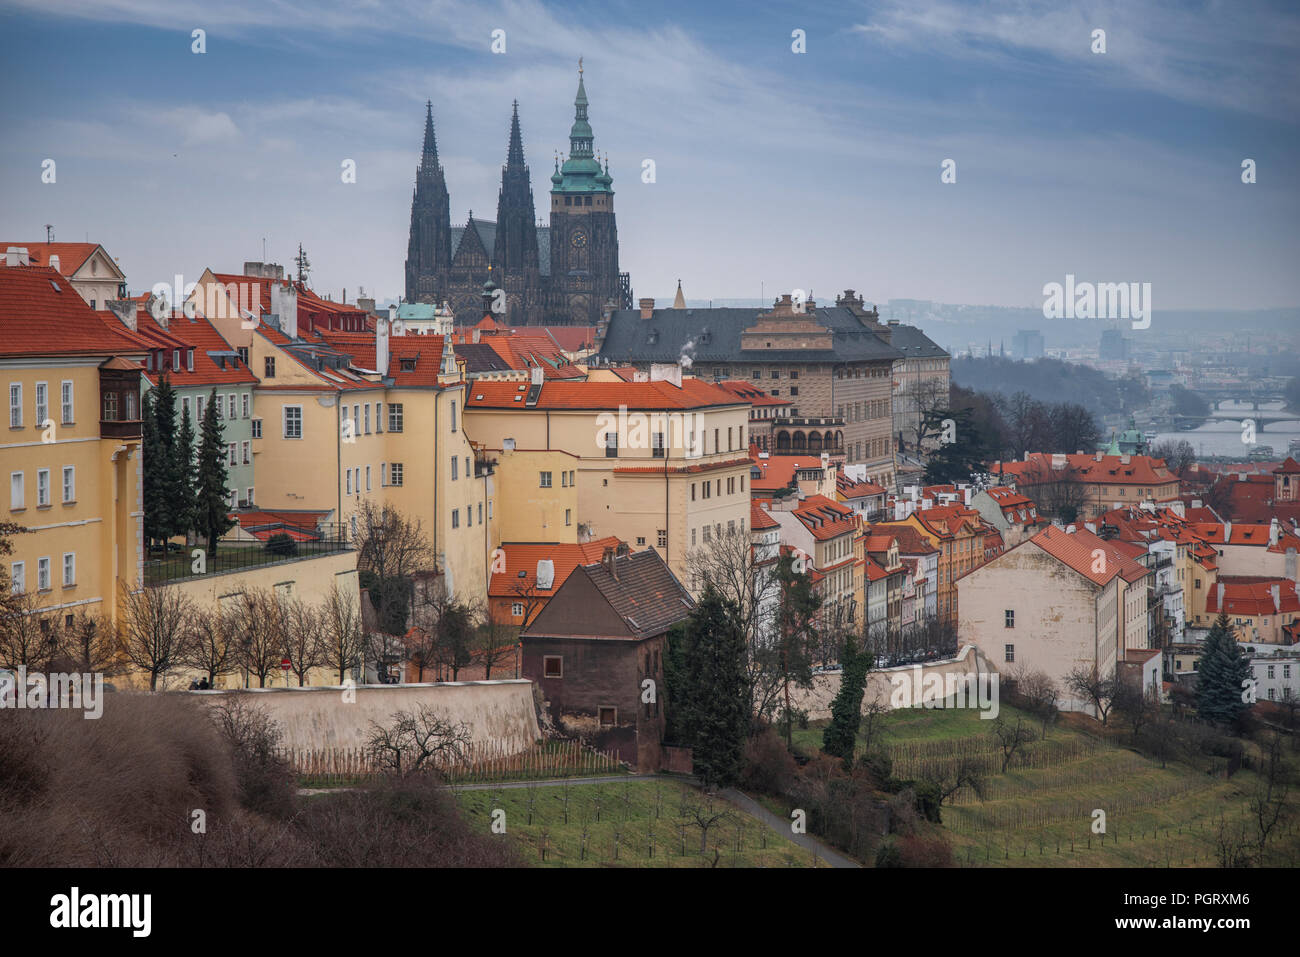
{"x":914,"y":343}
{"x":627,"y":339}
{"x":480,"y":357}
{"x":646,"y":594}
{"x":487,"y":234}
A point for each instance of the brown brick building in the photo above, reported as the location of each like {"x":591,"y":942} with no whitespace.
{"x":594,"y":645}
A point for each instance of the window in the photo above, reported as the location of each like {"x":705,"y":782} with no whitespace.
{"x":270,"y":367}
{"x":661,"y":537}
{"x":469,"y":516}
{"x":257,"y":428}
{"x":379,"y":417}
{"x":42,"y":404}
{"x":552,"y":666}
{"x":245,"y":405}
{"x":453,"y":415}
{"x":230,"y":406}
{"x":198,"y":407}
{"x":366,"y":416}
{"x":692,"y":491}
{"x":543,"y":479}
{"x":69,"y":484}
{"x":293,"y":421}
{"x":18,"y":577}
{"x":657,"y":445}
{"x":232,"y":454}
{"x":250,"y":498}
{"x":69,"y":569}
{"x":15,"y":405}
{"x":243,"y":354}
{"x":455,"y":518}
{"x":794,"y":390}
{"x":394,"y":417}
{"x":517,"y":609}
{"x":608,"y":716}
{"x":395,"y":473}
{"x":480,"y":513}
{"x":775,"y":374}
{"x":1009,"y":620}
{"x":17,"y":495}
{"x":367,"y":478}
{"x":1010,"y":650}
{"x":43,"y":574}
{"x":67,"y":402}
{"x":347,"y":481}
{"x":611,"y":445}
{"x":455,"y":468}
{"x":42,"y":488}
{"x":692,"y":538}
{"x":176,"y":360}
{"x":246,"y":453}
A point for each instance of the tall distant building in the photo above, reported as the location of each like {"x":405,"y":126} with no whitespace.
{"x":1028,"y":344}
{"x":1113,"y":345}
{"x":564,"y":273}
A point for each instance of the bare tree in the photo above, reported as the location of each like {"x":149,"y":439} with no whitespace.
{"x":925,"y":396}
{"x":705,"y":812}
{"x":1040,"y":693}
{"x":1179,"y":454}
{"x":27,"y":637}
{"x":341,"y":635}
{"x":261,"y":628}
{"x":952,"y":776}
{"x":392,"y":548}
{"x":1096,"y":689}
{"x":419,"y":741}
{"x":89,"y":644}
{"x":1010,"y":738}
{"x":154,"y":624}
{"x":496,"y":641}
{"x":1269,"y":802}
{"x":301,"y":638}
{"x":1136,"y":705}
{"x":210,"y":646}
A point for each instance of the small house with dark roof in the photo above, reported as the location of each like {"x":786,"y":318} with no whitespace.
{"x":591,"y":649}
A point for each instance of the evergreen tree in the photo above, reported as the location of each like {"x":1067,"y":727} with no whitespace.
{"x":716,"y":658}
{"x":151,"y":467}
{"x":789,"y":658}
{"x":679,"y":688}
{"x":212,"y":501}
{"x":171,"y":511}
{"x":954,"y":461}
{"x":841,"y":735}
{"x":184,"y":475}
{"x":1220,"y":674}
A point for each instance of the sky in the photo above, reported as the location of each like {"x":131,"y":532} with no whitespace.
{"x":774,"y":169}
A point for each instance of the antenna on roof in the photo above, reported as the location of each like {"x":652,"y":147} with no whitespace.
{"x":49,"y":233}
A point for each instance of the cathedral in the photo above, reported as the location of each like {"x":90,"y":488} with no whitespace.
{"x":561,"y":274}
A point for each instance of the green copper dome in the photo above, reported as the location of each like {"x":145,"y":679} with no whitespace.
{"x":581,"y":172}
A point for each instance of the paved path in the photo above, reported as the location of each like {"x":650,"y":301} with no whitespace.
{"x":782,"y":827}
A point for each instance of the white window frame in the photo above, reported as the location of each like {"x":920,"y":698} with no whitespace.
{"x":42,"y":488}
{"x":284,"y":421}
{"x":17,"y":491}
{"x":42,"y":403}
{"x":246,"y":403}
{"x":18,"y":577}
{"x":69,"y":484}
{"x":69,"y":569}
{"x":43,"y":573}
{"x":396,"y":473}
{"x":67,"y":403}
{"x":15,"y":405}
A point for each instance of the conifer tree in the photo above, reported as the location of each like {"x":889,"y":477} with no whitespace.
{"x":212,"y":500}
{"x":185,"y":475}
{"x":715,"y":657}
{"x":1220,"y":676}
{"x":841,"y":735}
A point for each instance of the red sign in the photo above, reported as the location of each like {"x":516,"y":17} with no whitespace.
{"x":284,"y":663}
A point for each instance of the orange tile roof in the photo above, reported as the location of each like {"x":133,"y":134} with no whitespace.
{"x":600,"y":396}
{"x":523,"y":557}
{"x":777,"y":471}
{"x":848,"y":488}
{"x":760,"y":518}
{"x":1076,"y":550}
{"x":1288,"y":467}
{"x":42,"y":315}
{"x":72,"y":256}
{"x":1108,"y":470}
{"x":1250,"y":595}
{"x":825,"y":519}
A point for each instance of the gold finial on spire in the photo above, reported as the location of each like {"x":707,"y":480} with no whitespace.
{"x":579,"y":66}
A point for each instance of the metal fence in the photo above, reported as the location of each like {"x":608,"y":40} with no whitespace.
{"x":273,"y":544}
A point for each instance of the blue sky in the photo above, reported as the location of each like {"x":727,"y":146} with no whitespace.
{"x":818,"y":170}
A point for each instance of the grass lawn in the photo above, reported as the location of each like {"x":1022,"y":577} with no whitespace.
{"x":635,"y":823}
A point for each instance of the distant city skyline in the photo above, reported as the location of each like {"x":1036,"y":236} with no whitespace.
{"x":774,"y":170}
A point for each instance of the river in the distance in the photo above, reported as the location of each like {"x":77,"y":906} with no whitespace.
{"x":1224,"y":436}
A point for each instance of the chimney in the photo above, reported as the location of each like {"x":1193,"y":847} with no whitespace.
{"x":1227,"y":532}
{"x":666,"y":372}
{"x":1069,"y":529}
{"x":124,"y":309}
{"x":1125,"y":459}
{"x":607,"y":559}
{"x":477,"y":336}
{"x":366,"y":304}
{"x":284,"y":303}
{"x":1274,"y":530}
{"x":264,"y":270}
{"x":1097,"y":457}
{"x":381,"y":344}
{"x":1241,"y":476}
{"x":647,"y":308}
{"x":536,"y":377}
{"x":1058,"y":461}
{"x":1218,"y":595}
{"x":1277,"y":597}
{"x":1290,"y":564}
{"x":55,"y":263}
{"x":16,"y":256}
{"x":545,"y":573}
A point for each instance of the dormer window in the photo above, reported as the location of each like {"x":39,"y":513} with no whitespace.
{"x":408,"y":365}
{"x":189,"y":360}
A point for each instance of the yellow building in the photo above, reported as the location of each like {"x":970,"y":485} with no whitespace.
{"x":660,"y":464}
{"x":71,"y":452}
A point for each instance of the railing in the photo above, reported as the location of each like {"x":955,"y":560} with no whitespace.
{"x":238,"y":554}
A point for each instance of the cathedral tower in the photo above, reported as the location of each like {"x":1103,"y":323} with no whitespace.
{"x":515,"y":260}
{"x":428,"y":250}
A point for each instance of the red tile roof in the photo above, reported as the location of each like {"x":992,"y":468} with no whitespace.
{"x":760,"y":518}
{"x":600,"y":396}
{"x":72,"y":256}
{"x":1108,"y":470}
{"x":42,"y":315}
{"x":523,"y":557}
{"x":1249,"y":595}
{"x":777,"y":471}
{"x":1077,"y":551}
{"x":825,"y":519}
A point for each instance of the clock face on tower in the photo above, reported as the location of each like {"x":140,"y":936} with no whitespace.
{"x":579,"y":239}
